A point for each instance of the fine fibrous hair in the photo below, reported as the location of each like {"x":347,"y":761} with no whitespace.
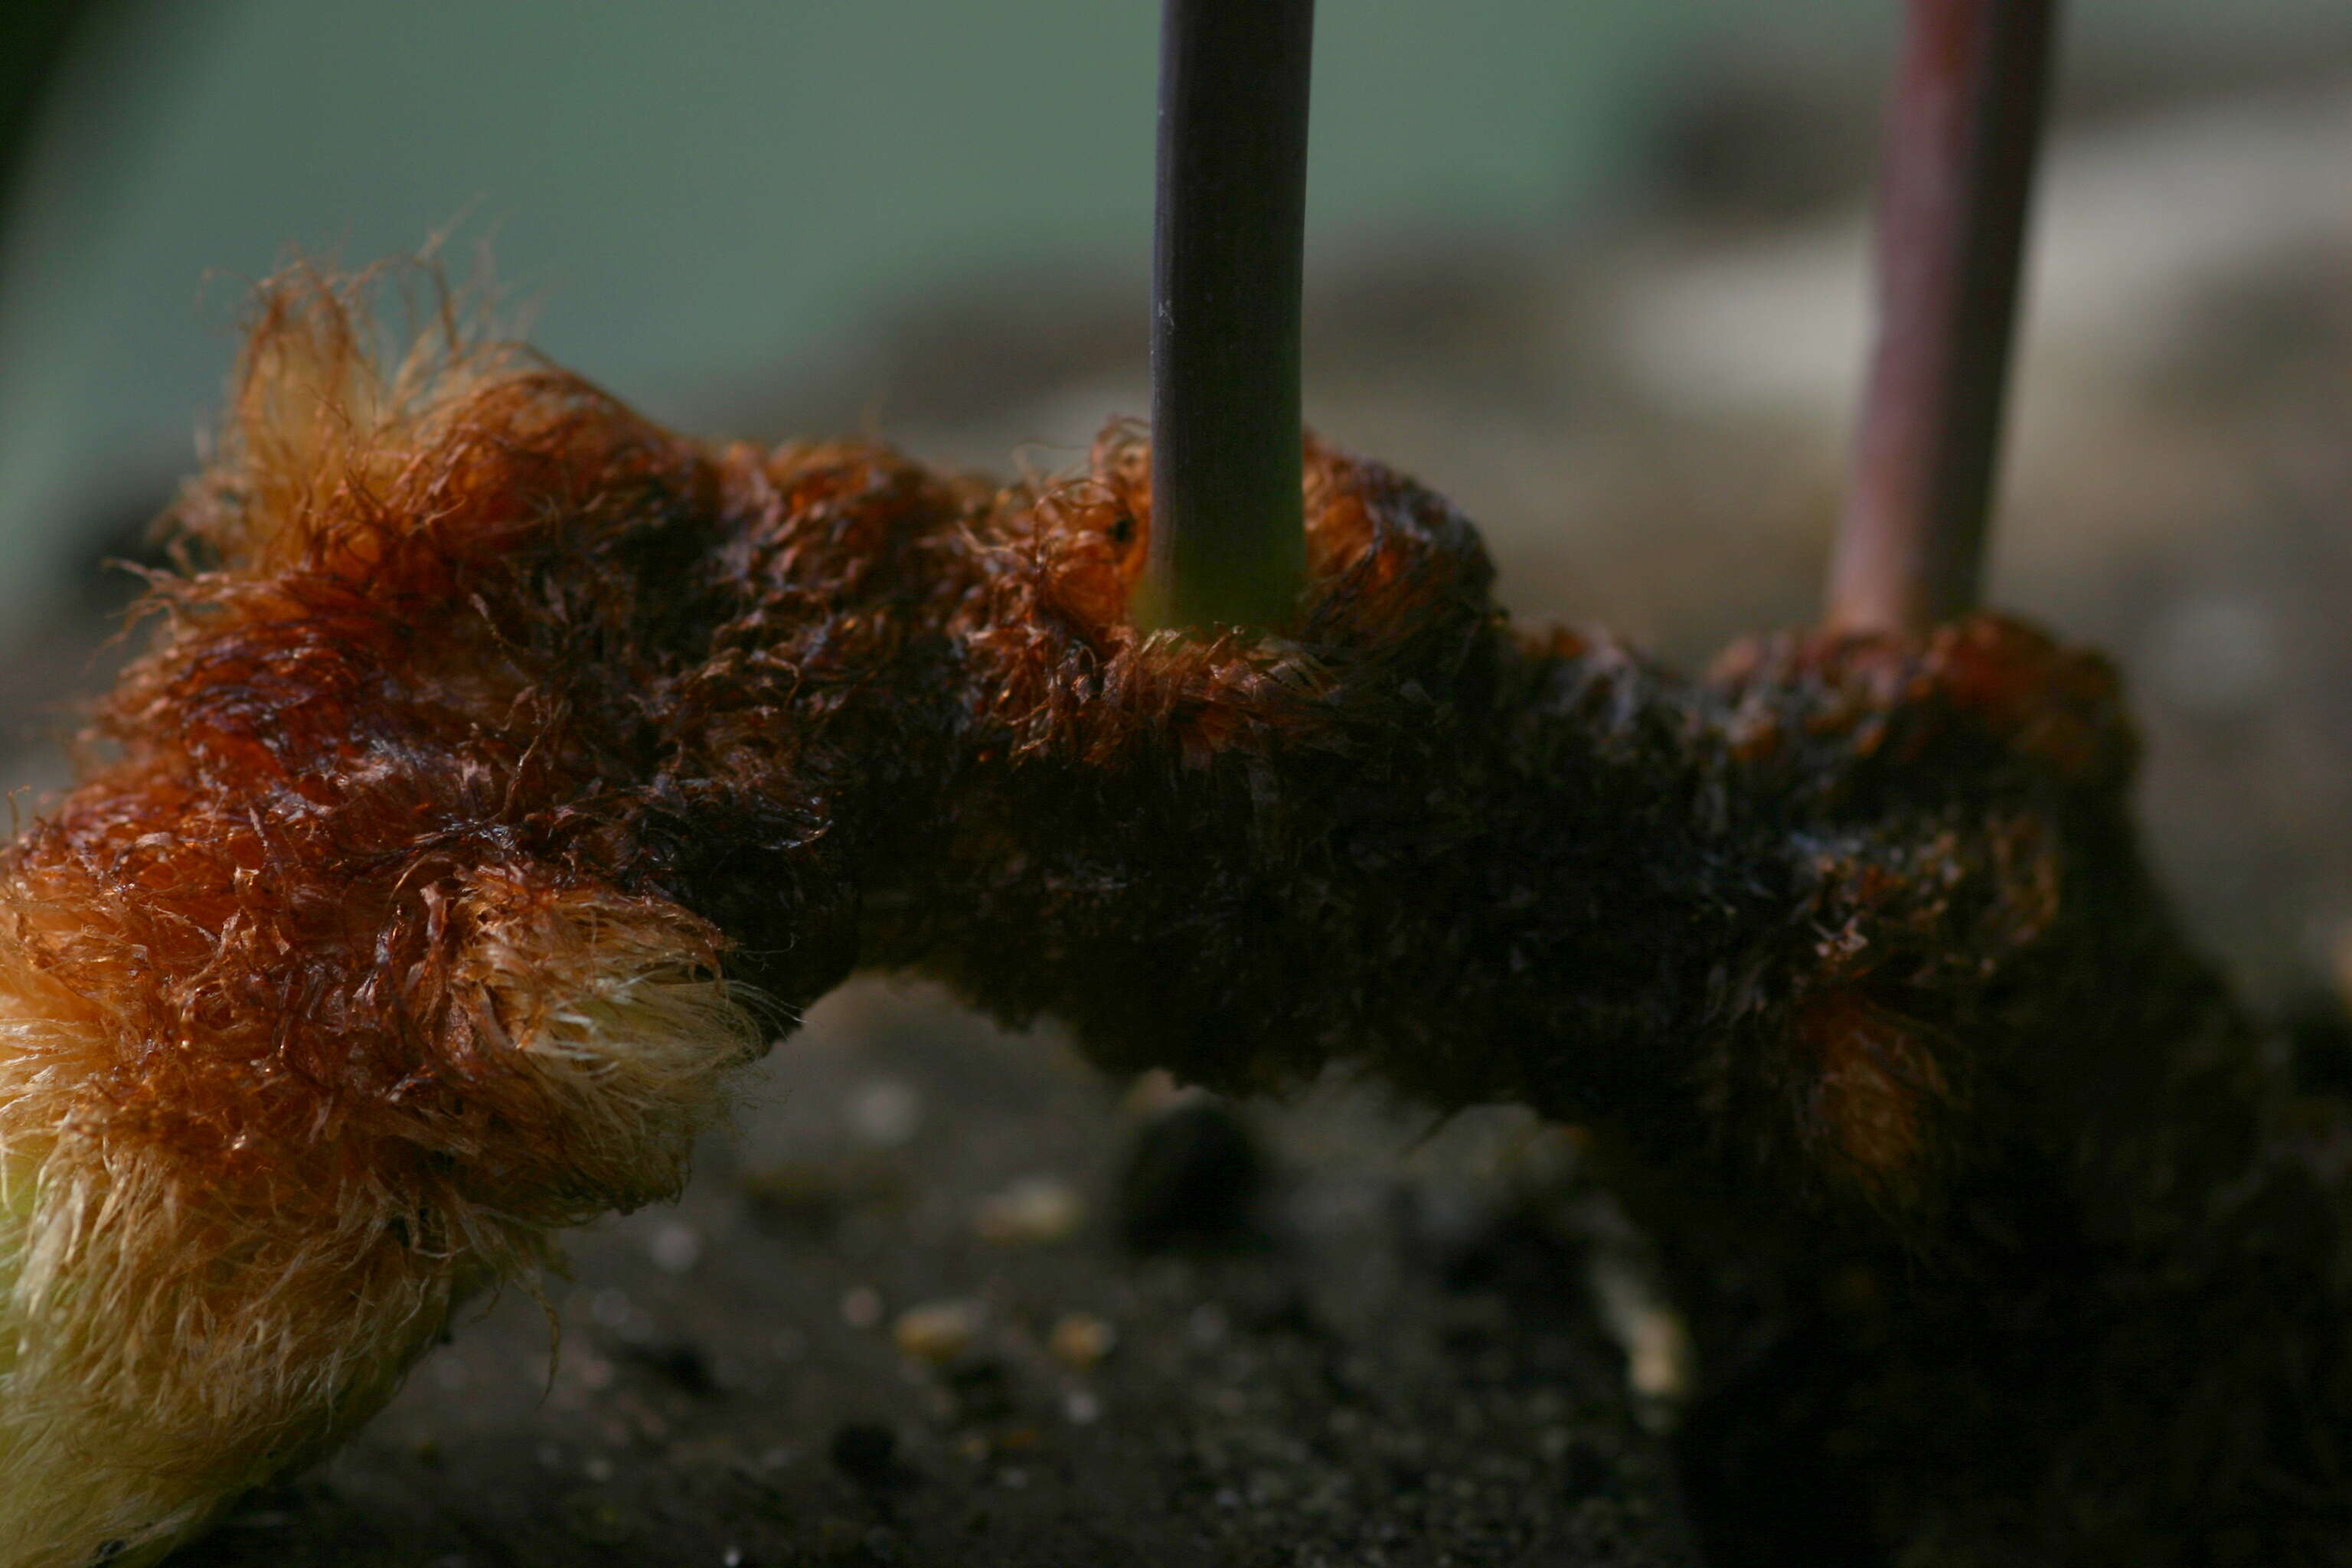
{"x":301,"y":1037}
{"x":507,"y":770}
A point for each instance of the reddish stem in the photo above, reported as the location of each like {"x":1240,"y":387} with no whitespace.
{"x":1959,"y":170}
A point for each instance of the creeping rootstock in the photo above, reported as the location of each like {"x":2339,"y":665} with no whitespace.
{"x":507,"y":772}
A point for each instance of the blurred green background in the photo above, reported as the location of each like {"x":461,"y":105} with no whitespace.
{"x":695,"y":194}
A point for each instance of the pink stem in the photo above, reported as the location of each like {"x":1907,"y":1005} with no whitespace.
{"x":1960,"y":171}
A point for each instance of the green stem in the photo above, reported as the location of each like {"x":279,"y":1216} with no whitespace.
{"x":1228,"y":528}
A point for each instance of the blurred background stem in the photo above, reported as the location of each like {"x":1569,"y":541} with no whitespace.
{"x":1959,"y":174}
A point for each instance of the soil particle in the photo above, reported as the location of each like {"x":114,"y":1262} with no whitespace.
{"x":1191,"y":1178}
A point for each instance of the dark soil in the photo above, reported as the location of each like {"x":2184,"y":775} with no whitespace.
{"x":1385,"y":1356}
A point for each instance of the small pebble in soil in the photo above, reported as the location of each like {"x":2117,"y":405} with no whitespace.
{"x":937,"y":1331}
{"x":1033,"y":1211}
{"x":1080,"y":1339}
{"x":1193,"y":1176}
